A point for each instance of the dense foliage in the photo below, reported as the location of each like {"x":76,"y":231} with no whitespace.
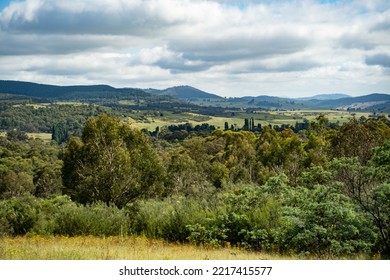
{"x":322,"y":192}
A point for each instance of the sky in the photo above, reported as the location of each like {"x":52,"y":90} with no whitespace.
{"x":285,"y":48}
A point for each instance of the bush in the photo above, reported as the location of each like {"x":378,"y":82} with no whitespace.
{"x":324,"y":223}
{"x":247,"y":219}
{"x":170,"y":218}
{"x":96,"y":219}
{"x":59,"y":215}
{"x":19,"y":215}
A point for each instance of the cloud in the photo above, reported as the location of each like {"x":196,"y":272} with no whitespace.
{"x":198,"y":42}
{"x":88,"y":17}
{"x":279,"y":65}
{"x":32,"y":44}
{"x":381,"y":59}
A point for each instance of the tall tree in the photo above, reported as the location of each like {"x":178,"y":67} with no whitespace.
{"x":112,"y":162}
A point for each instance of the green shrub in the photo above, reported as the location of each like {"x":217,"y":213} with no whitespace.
{"x":169,"y":218}
{"x":322,"y":222}
{"x":19,"y":214}
{"x":96,"y":219}
{"x":247,"y":219}
{"x":59,"y":215}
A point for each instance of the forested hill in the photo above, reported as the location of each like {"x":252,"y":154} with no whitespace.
{"x":64,"y":92}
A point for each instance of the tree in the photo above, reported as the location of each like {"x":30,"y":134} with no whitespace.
{"x":16,"y":184}
{"x":369,"y":188}
{"x":281,"y":152}
{"x":226,"y":126}
{"x":47,"y":181}
{"x":15,"y":135}
{"x":59,"y":133}
{"x":112,"y":162}
{"x":358,"y":140}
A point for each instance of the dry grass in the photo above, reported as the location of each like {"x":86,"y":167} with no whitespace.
{"x":43,"y":136}
{"x":115,"y":248}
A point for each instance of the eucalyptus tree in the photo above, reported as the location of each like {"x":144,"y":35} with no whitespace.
{"x":111,"y":162}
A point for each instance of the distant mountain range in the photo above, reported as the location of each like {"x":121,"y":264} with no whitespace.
{"x":378,"y":102}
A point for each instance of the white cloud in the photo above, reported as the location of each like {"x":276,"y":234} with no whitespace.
{"x":229,"y":47}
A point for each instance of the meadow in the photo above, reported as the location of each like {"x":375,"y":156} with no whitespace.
{"x":42,"y":136}
{"x":117,"y":248}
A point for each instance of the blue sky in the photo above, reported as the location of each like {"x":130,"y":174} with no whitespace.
{"x":3,"y":3}
{"x":231,"y":48}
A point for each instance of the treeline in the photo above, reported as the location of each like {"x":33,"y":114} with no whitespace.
{"x":321,"y":192}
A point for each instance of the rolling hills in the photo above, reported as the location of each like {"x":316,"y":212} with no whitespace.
{"x":375,"y":102}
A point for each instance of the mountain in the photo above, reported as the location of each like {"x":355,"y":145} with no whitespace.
{"x":184,"y":92}
{"x":331,"y":96}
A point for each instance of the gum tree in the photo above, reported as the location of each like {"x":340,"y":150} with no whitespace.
{"x":112,"y":162}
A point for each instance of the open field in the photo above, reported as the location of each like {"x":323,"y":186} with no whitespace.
{"x":262,"y":117}
{"x":71,"y":103}
{"x":152,"y":123}
{"x":115,"y":248}
{"x":43,"y":136}
{"x":44,"y":105}
{"x":34,"y":105}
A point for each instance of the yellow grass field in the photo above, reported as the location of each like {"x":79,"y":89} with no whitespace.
{"x":116,"y":248}
{"x":43,"y":136}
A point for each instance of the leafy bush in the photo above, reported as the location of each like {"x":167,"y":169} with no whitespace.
{"x":19,"y":215}
{"x":59,"y":215}
{"x":322,"y":222}
{"x":248,"y":218}
{"x":96,"y":219}
{"x":169,"y":218}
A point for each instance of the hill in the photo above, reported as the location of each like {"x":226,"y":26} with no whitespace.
{"x":48,"y":91}
{"x":65,"y":92}
{"x":184,"y":92}
{"x":185,"y":96}
{"x":371,"y":102}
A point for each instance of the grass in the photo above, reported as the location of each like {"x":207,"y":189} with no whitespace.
{"x":34,"y":105}
{"x":116,"y":248}
{"x":71,"y":103}
{"x":43,"y":136}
